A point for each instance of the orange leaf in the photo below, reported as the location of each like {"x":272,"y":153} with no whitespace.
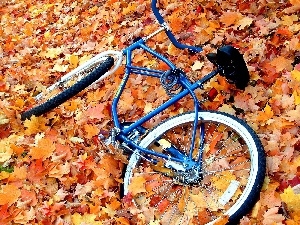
{"x":44,"y":149}
{"x":91,"y":130}
{"x":36,"y":170}
{"x":281,"y":63}
{"x":96,"y":112}
{"x":122,"y":221}
{"x":295,"y":2}
{"x":266,"y":114}
{"x":73,"y":60}
{"x":137,"y":185}
{"x":9,"y":194}
{"x":28,"y":29}
{"x":4,"y":214}
{"x":230,"y":18}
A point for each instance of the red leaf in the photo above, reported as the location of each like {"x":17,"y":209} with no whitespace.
{"x":4,"y":214}
{"x":36,"y":170}
{"x":295,"y":181}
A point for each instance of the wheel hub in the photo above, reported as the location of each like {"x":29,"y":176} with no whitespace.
{"x":190,"y":176}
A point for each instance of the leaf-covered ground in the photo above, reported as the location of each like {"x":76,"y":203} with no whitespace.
{"x":53,"y":170}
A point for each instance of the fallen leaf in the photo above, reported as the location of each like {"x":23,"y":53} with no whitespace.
{"x":9,"y":194}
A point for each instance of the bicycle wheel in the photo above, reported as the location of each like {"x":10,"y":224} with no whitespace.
{"x":232,"y":173}
{"x":69,"y":87}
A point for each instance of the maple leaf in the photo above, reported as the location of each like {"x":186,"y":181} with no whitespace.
{"x":9,"y":194}
{"x":296,"y":75}
{"x":96,"y":112}
{"x":52,"y":52}
{"x":291,"y":199}
{"x":19,"y":173}
{"x":197,"y":65}
{"x":137,"y":185}
{"x":59,"y":170}
{"x":244,"y":22}
{"x":5,"y":150}
{"x":3,"y":119}
{"x":73,"y":60}
{"x":44,"y":149}
{"x":25,"y":216}
{"x":59,"y":68}
{"x":272,"y":216}
{"x":4,"y":214}
{"x":4,"y":175}
{"x":230,"y":18}
{"x":91,"y":130}
{"x":281,"y":63}
{"x":295,"y":2}
{"x":266,"y":114}
{"x":270,"y":197}
{"x":87,"y":219}
{"x":36,"y":170}
{"x":35,"y":125}
{"x":296,"y":96}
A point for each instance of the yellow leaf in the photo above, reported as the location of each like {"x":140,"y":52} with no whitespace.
{"x":289,"y":20}
{"x":197,"y":65}
{"x":47,"y":35}
{"x":84,"y":58}
{"x":291,"y":199}
{"x":73,"y":60}
{"x":59,"y":170}
{"x":5,"y":150}
{"x":60,"y":68}
{"x":154,"y":222}
{"x":3,"y":119}
{"x":164,"y":143}
{"x":35,"y":125}
{"x":268,"y":111}
{"x":199,"y":200}
{"x":296,"y":75}
{"x":87,"y":219}
{"x":296,"y":97}
{"x":172,"y":50}
{"x":148,"y":108}
{"x":4,"y":175}
{"x":222,"y":181}
{"x":9,"y":194}
{"x":244,"y":22}
{"x":52,"y":53}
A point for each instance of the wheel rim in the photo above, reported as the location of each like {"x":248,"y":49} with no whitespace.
{"x":77,"y":74}
{"x":220,"y":183}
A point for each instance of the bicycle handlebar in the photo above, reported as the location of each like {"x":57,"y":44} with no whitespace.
{"x":169,"y":33}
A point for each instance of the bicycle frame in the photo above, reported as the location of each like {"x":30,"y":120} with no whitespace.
{"x":188,"y":88}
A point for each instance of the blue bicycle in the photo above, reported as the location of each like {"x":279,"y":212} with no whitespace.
{"x":195,"y":168}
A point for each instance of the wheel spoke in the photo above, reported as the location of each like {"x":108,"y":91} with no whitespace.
{"x":198,"y":194}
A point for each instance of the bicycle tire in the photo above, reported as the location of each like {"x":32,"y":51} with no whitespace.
{"x":71,"y":91}
{"x":253,"y":184}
